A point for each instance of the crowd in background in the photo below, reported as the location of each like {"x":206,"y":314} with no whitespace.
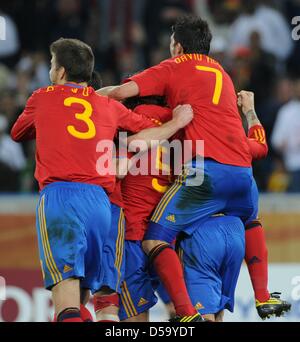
{"x":252,"y":40}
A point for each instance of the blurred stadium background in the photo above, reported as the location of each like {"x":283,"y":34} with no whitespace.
{"x":252,"y":39}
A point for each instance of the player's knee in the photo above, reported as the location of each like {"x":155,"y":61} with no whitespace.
{"x":104,"y":291}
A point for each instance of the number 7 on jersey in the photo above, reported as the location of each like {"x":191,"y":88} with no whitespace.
{"x":219,"y":82}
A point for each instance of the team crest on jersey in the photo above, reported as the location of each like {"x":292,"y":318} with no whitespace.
{"x":171,"y":218}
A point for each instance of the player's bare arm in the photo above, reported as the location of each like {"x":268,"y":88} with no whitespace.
{"x":256,"y":133}
{"x":105,"y":91}
{"x":182,"y":116}
{"x":121,"y":92}
{"x":246,"y":102}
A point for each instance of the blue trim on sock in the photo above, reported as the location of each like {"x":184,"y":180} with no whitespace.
{"x":68,"y":315}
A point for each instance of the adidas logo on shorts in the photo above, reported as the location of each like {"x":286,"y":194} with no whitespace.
{"x":142,"y":302}
{"x":171,"y":218}
{"x":67,"y":269}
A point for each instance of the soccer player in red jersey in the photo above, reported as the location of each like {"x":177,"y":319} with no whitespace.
{"x":141,"y":194}
{"x":191,"y":76}
{"x":256,"y":257}
{"x":210,"y":285}
{"x":108,"y":303}
{"x":71,"y":123}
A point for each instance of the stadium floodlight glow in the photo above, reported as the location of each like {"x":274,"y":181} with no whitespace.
{"x":296,"y":30}
{"x":2,"y":289}
{"x":2,"y":28}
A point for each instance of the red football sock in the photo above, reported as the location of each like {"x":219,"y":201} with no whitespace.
{"x":256,"y":258}
{"x":169,"y":270}
{"x":86,"y":316}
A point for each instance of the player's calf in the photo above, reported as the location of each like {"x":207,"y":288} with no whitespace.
{"x":256,"y":257}
{"x":86,"y":316}
{"x":162,"y":256}
{"x":66,"y":299}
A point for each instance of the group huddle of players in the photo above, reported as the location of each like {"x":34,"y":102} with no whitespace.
{"x":122,"y":236}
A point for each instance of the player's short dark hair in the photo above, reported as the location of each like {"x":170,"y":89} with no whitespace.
{"x":76,"y":57}
{"x":96,"y":80}
{"x":193,"y":34}
{"x":133,"y":102}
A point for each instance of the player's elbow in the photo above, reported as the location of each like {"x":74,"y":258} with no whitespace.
{"x":266,"y":150}
{"x":21,"y":135}
{"x":14,"y":135}
{"x":261,"y":153}
{"x":117,"y":94}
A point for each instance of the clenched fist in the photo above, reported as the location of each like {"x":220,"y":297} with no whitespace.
{"x":246,"y":101}
{"x":183,"y":114}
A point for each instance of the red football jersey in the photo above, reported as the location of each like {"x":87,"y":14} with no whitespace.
{"x":200,"y":81}
{"x":68,"y":123}
{"x":257,"y":142}
{"x":142,"y":193}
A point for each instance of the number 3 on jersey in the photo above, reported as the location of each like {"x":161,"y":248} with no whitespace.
{"x":219,"y":82}
{"x":85,"y":116}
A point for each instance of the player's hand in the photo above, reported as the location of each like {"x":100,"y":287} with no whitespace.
{"x":246,"y":101}
{"x":183,"y":114}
